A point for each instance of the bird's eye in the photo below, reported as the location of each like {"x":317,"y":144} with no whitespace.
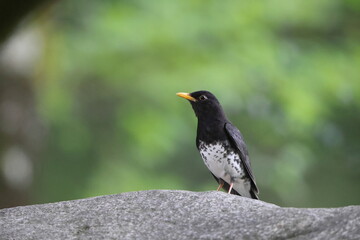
{"x":202,"y":98}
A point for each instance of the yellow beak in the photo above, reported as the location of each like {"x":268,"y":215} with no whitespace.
{"x":186,"y":96}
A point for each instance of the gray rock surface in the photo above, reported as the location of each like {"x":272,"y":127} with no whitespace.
{"x":163,"y":214}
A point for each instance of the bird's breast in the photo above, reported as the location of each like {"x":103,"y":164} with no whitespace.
{"x":221,"y":160}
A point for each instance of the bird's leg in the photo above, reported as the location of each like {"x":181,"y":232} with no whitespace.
{"x":221,"y":182}
{"x":231,"y":186}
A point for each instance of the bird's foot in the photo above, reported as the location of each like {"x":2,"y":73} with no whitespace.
{"x":231,"y":186}
{"x":221,"y":185}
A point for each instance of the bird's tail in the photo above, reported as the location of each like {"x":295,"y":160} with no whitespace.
{"x":254,"y":195}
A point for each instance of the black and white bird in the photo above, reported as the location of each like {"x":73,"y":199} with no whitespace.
{"x":222,"y":146}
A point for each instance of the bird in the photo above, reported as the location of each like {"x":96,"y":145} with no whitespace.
{"x":222,"y":146}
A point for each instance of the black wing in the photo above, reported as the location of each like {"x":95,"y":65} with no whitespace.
{"x":237,"y":140}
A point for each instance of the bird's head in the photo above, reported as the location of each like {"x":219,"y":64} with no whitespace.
{"x":205,"y":105}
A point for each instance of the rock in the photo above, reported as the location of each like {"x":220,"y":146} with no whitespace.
{"x":164,"y":214}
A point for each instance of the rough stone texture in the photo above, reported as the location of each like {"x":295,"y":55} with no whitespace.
{"x":162,"y":214}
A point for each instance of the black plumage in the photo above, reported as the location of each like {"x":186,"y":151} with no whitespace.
{"x":222,"y":146}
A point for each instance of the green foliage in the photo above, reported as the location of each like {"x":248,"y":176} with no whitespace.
{"x":286,"y":72}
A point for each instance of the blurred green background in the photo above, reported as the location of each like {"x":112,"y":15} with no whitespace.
{"x":88,"y":104}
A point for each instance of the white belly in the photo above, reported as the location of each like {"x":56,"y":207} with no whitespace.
{"x":225,"y":165}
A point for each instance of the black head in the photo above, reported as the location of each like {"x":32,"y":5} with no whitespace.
{"x":205,"y":105}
